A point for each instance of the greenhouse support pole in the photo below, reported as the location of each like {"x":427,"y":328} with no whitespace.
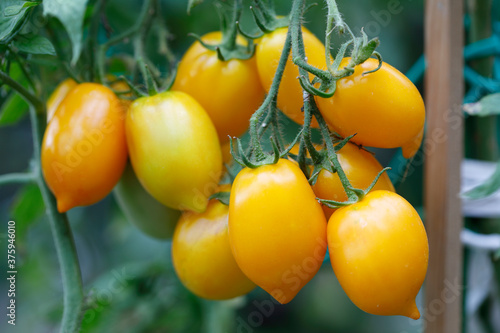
{"x":443,"y":149}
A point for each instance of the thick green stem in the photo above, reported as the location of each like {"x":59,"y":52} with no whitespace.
{"x":273,"y":92}
{"x":63,"y":239}
{"x":232,"y":31}
{"x":27,"y":95}
{"x":25,"y":71}
{"x":93,"y":42}
{"x":65,"y":247}
{"x":17,"y":178}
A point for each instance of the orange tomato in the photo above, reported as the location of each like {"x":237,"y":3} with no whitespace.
{"x":379,"y":253}
{"x":84,"y":149}
{"x":277,"y":228}
{"x":58,"y":95}
{"x":384,"y":109}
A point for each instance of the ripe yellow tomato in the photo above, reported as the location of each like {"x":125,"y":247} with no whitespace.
{"x":268,"y":52}
{"x":202,"y":256}
{"x":360,"y":167}
{"x":379,"y":253}
{"x":174,"y":149}
{"x":84,"y":148}
{"x":384,"y":109}
{"x":230,"y":91}
{"x":58,"y":95}
{"x":142,"y":210}
{"x":277,"y":228}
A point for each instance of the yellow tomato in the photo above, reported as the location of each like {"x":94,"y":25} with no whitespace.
{"x":202,"y":256}
{"x":384,"y":109}
{"x":84,"y":149}
{"x":277,"y":228}
{"x":58,"y":95}
{"x":360,"y":167}
{"x":268,"y":52}
{"x":230,"y":91}
{"x":174,"y":149}
{"x":379,"y":253}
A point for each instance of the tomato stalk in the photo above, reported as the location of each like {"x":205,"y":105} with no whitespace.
{"x":93,"y":42}
{"x":61,"y":231}
{"x":135,"y":29}
{"x":228,"y":49}
{"x":17,"y":178}
{"x":269,"y":101}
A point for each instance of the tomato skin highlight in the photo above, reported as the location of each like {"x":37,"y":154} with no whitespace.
{"x":58,"y":95}
{"x":230,"y":91}
{"x":142,"y":210}
{"x":379,"y":253}
{"x":202,"y":257}
{"x":174,"y":149}
{"x":277,"y":228}
{"x":268,"y":53}
{"x":360,"y":167}
{"x":384,"y":109}
{"x":84,"y":149}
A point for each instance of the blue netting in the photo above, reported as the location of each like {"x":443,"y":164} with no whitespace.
{"x":478,"y":85}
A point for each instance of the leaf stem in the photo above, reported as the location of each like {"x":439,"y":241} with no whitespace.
{"x":17,"y":178}
{"x":27,"y":95}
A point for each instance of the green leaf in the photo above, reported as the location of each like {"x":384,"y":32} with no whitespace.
{"x":222,"y":197}
{"x":34,"y":45}
{"x":192,"y":4}
{"x":485,"y":189}
{"x":28,"y":206}
{"x":71,"y":14}
{"x":12,"y":16}
{"x":488,"y":105}
{"x":13,"y":110}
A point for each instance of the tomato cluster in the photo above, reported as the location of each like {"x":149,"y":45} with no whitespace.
{"x":274,"y":233}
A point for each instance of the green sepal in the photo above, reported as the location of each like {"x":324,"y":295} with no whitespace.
{"x":223,"y":197}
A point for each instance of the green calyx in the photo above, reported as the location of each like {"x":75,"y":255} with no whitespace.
{"x":355,"y":195}
{"x":228,"y":48}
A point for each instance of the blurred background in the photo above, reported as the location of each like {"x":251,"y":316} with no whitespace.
{"x":128,"y":276}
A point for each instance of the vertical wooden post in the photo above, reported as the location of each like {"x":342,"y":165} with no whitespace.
{"x":443,"y":150}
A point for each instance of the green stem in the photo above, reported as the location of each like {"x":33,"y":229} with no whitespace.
{"x":229,"y":38}
{"x":94,"y":42}
{"x":70,"y":270}
{"x":273,"y":92}
{"x":101,"y":52}
{"x":332,"y":155}
{"x":22,"y":64}
{"x":334,"y":19}
{"x":63,"y":239}
{"x":17,"y":178}
{"x":298,"y":50}
{"x":27,"y":95}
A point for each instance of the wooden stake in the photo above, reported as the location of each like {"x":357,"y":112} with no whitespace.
{"x":443,"y":149}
